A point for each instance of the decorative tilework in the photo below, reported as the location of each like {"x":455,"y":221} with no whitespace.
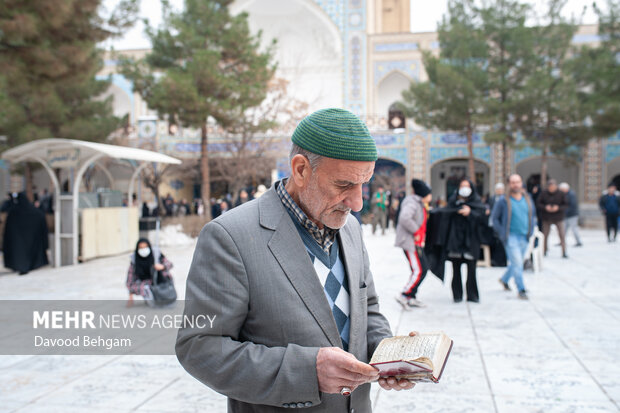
{"x":498,"y":154}
{"x":397,"y":154}
{"x":411,"y":68}
{"x":480,"y":152}
{"x":525,"y":153}
{"x":530,"y":152}
{"x":585,"y":38}
{"x":612,"y":151}
{"x":396,"y":47}
{"x":355,"y":68}
{"x":334,"y":9}
{"x":389,"y":139}
{"x":592,"y":170}
{"x":452,"y":138}
{"x":418,"y":158}
{"x":614,"y":138}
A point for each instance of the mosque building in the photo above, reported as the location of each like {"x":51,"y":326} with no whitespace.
{"x":361,"y":55}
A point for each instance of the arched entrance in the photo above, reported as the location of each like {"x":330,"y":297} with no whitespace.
{"x":613,"y":172}
{"x":558,"y":169}
{"x":309,"y":48}
{"x":391,"y":175}
{"x":446,"y":174}
{"x":390,"y":90}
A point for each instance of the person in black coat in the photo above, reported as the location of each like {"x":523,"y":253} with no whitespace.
{"x":467,"y":220}
{"x":25,"y":237}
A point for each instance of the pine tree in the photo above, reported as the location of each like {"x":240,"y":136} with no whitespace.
{"x":510,"y":61}
{"x":452,"y":98}
{"x":208,"y":65}
{"x":48,"y":62}
{"x":554,"y":119}
{"x":597,"y":70}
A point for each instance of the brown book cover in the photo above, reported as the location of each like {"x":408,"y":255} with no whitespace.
{"x":421,"y":358}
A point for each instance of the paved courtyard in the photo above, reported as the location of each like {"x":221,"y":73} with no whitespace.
{"x":557,"y":352}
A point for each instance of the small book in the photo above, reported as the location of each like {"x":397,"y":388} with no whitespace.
{"x":421,"y":358}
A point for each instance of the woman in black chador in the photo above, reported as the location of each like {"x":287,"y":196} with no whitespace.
{"x":463,"y":241}
{"x":25,"y":237}
{"x":146,"y":262}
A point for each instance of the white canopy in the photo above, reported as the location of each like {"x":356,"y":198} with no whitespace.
{"x":68,"y":153}
{"x":40,"y":149}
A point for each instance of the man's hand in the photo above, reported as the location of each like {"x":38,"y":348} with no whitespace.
{"x":465,"y":210}
{"x":391,"y":383}
{"x":335,"y":369}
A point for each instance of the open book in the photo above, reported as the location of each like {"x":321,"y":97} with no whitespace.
{"x":421,"y":358}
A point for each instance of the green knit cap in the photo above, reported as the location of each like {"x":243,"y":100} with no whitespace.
{"x":337,"y":134}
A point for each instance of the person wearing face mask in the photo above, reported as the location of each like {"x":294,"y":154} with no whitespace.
{"x":144,"y":262}
{"x":463,"y":242}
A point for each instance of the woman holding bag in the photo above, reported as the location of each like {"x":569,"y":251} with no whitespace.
{"x":147,"y":264}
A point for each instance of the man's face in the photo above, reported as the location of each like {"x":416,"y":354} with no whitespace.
{"x":552,"y":188}
{"x":334,"y":189}
{"x":515,"y":183}
{"x":611,"y":190}
{"x":499,"y":190}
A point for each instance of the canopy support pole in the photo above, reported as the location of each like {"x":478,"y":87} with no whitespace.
{"x":76,"y":192}
{"x":132,"y":179}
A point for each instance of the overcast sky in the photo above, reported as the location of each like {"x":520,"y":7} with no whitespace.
{"x":424,"y":17}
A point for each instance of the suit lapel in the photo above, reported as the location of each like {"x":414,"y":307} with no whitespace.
{"x":288,"y":249}
{"x":352,"y":260}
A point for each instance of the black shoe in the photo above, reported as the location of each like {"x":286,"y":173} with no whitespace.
{"x":505,"y":285}
{"x":579,"y":244}
{"x":458,"y":300}
{"x":564,"y":256}
{"x":473,"y":299}
{"x":23,"y":272}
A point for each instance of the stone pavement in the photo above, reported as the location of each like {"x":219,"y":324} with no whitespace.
{"x":558,"y":352}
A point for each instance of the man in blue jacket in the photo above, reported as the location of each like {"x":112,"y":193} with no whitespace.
{"x":514,"y":220}
{"x":610,"y":205}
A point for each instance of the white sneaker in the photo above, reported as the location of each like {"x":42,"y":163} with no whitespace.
{"x":408,"y":303}
{"x":416,"y":303}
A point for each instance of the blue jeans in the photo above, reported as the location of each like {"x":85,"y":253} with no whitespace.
{"x":515,"y":251}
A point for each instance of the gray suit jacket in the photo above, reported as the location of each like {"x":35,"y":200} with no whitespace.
{"x":252,"y":271}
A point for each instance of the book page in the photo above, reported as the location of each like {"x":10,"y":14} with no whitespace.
{"x":407,"y":348}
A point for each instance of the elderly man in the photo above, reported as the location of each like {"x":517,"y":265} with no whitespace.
{"x":571,"y":218}
{"x":287,"y":277}
{"x":552,"y":205}
{"x":499,"y":193}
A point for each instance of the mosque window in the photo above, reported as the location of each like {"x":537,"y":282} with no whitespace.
{"x":396,"y":117}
